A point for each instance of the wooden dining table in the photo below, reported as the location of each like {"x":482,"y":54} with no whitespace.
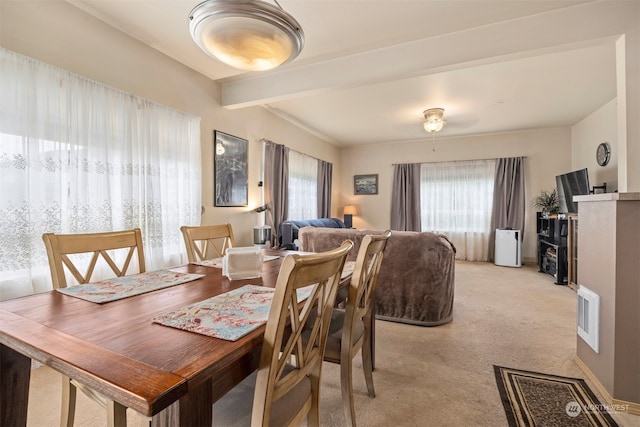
{"x":168,"y":374}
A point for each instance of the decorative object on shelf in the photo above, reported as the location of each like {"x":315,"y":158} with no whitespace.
{"x":365,"y":184}
{"x":547,"y":202}
{"x":231,"y":165}
{"x":249,"y":35}
{"x":348,"y":212}
{"x":602,"y":187}
{"x":433,"y":119}
{"x":603,"y":153}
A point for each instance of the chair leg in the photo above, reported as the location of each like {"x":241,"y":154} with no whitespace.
{"x":313,"y":417}
{"x":68,"y":408}
{"x":367,"y":363}
{"x":116,"y":414}
{"x":347,"y":392}
{"x":372,"y":337}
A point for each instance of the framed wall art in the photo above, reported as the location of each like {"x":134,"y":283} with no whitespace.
{"x":230,"y":169}
{"x":365,"y":184}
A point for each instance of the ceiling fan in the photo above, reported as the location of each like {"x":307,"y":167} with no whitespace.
{"x":435,"y":122}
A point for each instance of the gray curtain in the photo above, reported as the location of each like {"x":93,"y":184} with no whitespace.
{"x":325,"y":177}
{"x":276,"y":186}
{"x":508,"y":198}
{"x":405,"y":198}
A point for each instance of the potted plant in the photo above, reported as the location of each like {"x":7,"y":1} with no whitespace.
{"x":547,"y":202}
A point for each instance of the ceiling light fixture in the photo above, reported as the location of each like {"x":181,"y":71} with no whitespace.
{"x":433,"y":119}
{"x":250,"y":35}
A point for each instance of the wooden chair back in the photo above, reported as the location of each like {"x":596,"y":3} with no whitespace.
{"x":60,"y":246}
{"x":362,"y":289}
{"x":207,"y":241}
{"x":107,"y":246}
{"x":277,"y":377}
{"x":352,"y":329}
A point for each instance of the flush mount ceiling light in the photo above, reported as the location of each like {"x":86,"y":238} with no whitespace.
{"x":247,"y":34}
{"x":433,"y":119}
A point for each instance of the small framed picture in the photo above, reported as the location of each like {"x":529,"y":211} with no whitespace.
{"x":230,"y":168}
{"x":365,"y":184}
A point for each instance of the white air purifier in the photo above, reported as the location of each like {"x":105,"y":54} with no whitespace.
{"x":508,"y":248}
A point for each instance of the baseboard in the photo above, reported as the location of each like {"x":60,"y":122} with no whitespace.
{"x":620,"y":405}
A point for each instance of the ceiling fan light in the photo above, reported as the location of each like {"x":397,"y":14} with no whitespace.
{"x":246,"y":34}
{"x":433,"y":119}
{"x":433,"y":126}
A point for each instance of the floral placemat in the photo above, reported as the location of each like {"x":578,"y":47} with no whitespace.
{"x":217,"y":262}
{"x":228,"y":316}
{"x":348,"y":268}
{"x":127,"y":286}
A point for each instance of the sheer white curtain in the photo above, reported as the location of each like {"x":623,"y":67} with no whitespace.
{"x":303,"y":186}
{"x":77,"y":156}
{"x":456,"y":200}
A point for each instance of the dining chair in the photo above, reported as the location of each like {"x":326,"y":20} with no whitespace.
{"x":286,"y":386}
{"x":207,"y":241}
{"x":61,"y":251}
{"x":350,"y":330}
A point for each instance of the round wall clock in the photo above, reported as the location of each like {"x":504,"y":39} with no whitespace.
{"x":603,"y":153}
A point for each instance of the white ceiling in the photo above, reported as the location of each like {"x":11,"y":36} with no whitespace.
{"x":369,"y":68}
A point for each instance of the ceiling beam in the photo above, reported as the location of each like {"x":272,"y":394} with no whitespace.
{"x":546,"y":32}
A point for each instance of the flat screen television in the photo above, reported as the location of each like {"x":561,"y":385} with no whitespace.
{"x":571,"y":184}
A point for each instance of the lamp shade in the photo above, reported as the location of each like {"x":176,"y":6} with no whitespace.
{"x":246,"y":34}
{"x":350,"y":210}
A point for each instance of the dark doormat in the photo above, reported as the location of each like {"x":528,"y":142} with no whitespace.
{"x":535,"y":399}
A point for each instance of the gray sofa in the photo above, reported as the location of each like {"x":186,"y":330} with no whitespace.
{"x":416,"y":281}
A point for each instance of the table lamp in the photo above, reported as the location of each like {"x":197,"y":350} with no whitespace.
{"x":349,"y":212}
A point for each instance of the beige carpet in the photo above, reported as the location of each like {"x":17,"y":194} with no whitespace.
{"x":441,"y":376}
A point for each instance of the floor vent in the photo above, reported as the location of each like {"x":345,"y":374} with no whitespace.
{"x":588,"y":316}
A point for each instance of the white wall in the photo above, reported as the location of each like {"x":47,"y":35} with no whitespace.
{"x":600,"y":126}
{"x":547,"y":152}
{"x":64,"y":36}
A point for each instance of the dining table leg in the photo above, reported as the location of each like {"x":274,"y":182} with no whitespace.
{"x":192,"y":410}
{"x":15,"y":373}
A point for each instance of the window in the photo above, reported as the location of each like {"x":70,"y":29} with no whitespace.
{"x":303,"y":186}
{"x":456,"y":200}
{"x":77,"y":156}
